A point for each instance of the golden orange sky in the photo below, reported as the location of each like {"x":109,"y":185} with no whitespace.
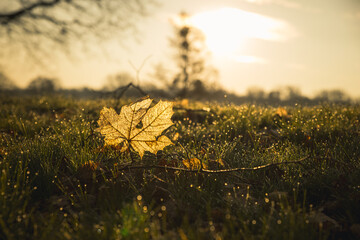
{"x":312,"y":45}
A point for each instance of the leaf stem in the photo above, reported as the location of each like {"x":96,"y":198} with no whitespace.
{"x":130,"y":154}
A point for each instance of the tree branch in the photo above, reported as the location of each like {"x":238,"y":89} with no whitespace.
{"x":42,"y":26}
{"x":129,"y":167}
{"x":123,"y":89}
{"x":6,"y":18}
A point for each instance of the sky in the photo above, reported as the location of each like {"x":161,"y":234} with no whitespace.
{"x":311,"y":45}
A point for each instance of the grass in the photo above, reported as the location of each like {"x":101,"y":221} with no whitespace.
{"x":58,"y":181}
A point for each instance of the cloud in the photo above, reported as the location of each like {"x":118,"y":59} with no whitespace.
{"x":228,"y":30}
{"x":237,"y":24}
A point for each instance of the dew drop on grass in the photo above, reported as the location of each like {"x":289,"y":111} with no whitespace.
{"x":145,"y":209}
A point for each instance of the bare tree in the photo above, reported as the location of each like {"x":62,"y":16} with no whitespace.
{"x":39,"y":26}
{"x":191,"y":53}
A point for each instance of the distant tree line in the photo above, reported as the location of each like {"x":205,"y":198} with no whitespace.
{"x":198,"y":90}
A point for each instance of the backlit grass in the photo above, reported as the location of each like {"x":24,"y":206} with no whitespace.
{"x":59,"y":181}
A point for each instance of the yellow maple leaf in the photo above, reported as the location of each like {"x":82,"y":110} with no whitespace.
{"x":220,"y":162}
{"x":137,"y":126}
{"x":194,"y":164}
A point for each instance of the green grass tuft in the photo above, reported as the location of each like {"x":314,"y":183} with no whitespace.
{"x":59,"y":181}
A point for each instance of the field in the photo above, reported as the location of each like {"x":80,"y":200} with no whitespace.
{"x":59,"y":181}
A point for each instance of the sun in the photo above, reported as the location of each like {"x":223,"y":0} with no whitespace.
{"x":227,"y":30}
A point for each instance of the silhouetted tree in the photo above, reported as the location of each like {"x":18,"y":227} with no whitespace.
{"x":274,"y":96}
{"x":198,"y":90}
{"x":43,"y":85}
{"x":333,"y":96}
{"x":255,"y":93}
{"x":293,"y":93}
{"x":190,"y":56}
{"x":44,"y":24}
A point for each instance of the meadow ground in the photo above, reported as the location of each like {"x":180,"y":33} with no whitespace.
{"x":59,"y":181}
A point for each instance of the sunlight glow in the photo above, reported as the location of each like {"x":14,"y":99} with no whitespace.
{"x":228,"y":29}
{"x":249,"y":59}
